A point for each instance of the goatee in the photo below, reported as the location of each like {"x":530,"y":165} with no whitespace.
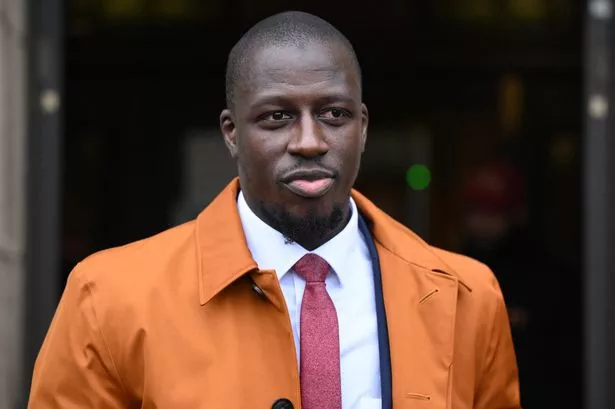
{"x":308,"y":228}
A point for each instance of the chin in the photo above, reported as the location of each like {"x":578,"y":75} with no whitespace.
{"x":318,"y":207}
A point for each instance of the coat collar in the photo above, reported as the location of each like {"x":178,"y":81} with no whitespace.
{"x":224,"y":256}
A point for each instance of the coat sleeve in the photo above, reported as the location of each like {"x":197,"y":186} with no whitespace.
{"x":499,"y":379}
{"x":74,"y":368}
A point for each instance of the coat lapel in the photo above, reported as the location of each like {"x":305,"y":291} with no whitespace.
{"x":420,"y":298}
{"x":420,"y":307}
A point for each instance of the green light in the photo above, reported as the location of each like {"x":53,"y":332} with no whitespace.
{"x":418,"y":177}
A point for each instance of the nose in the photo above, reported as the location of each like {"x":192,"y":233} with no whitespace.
{"x":308,"y":139}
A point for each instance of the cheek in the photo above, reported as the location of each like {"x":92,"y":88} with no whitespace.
{"x":350,"y":164}
{"x":350,"y":150}
{"x":250,"y":147}
{"x":257,"y":157}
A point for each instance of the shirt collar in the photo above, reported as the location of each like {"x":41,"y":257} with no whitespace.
{"x":270,"y":249}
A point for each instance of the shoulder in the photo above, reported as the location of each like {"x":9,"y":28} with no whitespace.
{"x":474,"y":273}
{"x":126,"y":271}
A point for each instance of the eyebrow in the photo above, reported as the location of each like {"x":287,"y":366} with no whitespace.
{"x":283,"y":98}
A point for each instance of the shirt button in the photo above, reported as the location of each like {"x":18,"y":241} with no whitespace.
{"x":282,"y":404}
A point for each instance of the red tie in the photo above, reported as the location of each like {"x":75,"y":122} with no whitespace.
{"x":320,"y":345}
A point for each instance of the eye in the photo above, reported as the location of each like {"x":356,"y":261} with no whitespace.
{"x":335,"y":114}
{"x":277,"y":116}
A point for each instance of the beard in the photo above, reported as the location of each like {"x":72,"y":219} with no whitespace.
{"x":309,"y":228}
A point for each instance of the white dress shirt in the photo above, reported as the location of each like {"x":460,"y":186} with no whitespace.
{"x":350,"y":285}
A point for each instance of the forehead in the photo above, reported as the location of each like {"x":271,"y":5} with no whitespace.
{"x":312,"y":68}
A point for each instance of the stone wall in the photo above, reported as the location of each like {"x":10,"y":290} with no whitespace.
{"x":12,"y":197}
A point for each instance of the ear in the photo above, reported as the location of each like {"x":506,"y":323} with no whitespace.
{"x":229,"y":131}
{"x":364,"y":123}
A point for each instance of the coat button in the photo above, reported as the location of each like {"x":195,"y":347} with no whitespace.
{"x":282,"y":404}
{"x":259,"y":291}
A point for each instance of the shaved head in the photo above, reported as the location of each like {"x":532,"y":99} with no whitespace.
{"x":292,"y":28}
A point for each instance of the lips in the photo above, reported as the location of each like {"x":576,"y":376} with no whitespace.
{"x":309,"y":183}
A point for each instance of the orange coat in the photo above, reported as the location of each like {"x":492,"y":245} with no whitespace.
{"x":173,"y":322}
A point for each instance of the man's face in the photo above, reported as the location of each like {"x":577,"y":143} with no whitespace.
{"x":297,"y":131}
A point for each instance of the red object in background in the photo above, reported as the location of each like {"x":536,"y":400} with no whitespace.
{"x":497,"y":187}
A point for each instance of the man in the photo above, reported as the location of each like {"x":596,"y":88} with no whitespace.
{"x":289,"y":290}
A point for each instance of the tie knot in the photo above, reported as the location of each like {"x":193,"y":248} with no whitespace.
{"x":312,"y":268}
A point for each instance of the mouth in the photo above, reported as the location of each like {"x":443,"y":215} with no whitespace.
{"x":309,"y":184}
